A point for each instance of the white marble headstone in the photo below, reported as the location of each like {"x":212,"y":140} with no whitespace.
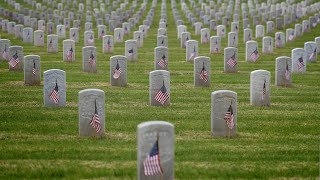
{"x":15,"y":58}
{"x":230,"y":60}
{"x":260,"y":88}
{"x":54,"y":88}
{"x":69,"y":50}
{"x":159,"y":88}
{"x":92,"y":112}
{"x":283,"y":71}
{"x":118,"y":71}
{"x":299,"y":60}
{"x":252,"y":51}
{"x":89,"y":59}
{"x":131,"y":50}
{"x":155,"y":135}
{"x":32,"y":70}
{"x":224,"y":113}
{"x":202,"y":71}
{"x":191,"y":50}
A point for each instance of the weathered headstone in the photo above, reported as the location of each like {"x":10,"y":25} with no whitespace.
{"x":259,"y":31}
{"x":260,"y":88}
{"x":74,"y":34}
{"x":230,"y":60}
{"x":162,"y":32}
{"x":185,"y":36}
{"x":155,"y":141}
{"x":107,"y":45}
{"x":290,"y":35}
{"x":101,"y":31}
{"x":52,"y":43}
{"x":88,"y":26}
{"x":18,"y":31}
{"x":181,"y":29}
{"x":298,"y":30}
{"x":161,"y":60}
{"x":32,"y":70}
{"x":131,"y":50}
{"x":69,"y":50}
{"x":162,"y":41}
{"x":215,"y":44}
{"x":198,"y":26}
{"x":202,"y":71}
{"x":91,"y":112}
{"x":191,"y":50}
{"x":54,"y":87}
{"x":232,"y":39}
{"x":252,"y":51}
{"x":267,"y":44}
{"x":213,"y":25}
{"x":118,"y":35}
{"x":159,"y":88}
{"x":15,"y":58}
{"x":311,"y":51}
{"x":279,"y":39}
{"x":61,"y":31}
{"x":39,"y":38}
{"x":4,"y":49}
{"x":126,"y":28}
{"x":299,"y":60}
{"x":118,"y":71}
{"x":50,"y":28}
{"x":247,"y":35}
{"x":138,"y":36}
{"x":283,"y":71}
{"x":28,"y":35}
{"x":89,"y":59}
{"x":205,"y":36}
{"x":270,"y":27}
{"x":224,"y":113}
{"x":305,"y":26}
{"x":221,"y":31}
{"x":88,"y":38}
{"x":235,"y":27}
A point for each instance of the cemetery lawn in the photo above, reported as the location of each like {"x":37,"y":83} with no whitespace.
{"x":276,"y":142}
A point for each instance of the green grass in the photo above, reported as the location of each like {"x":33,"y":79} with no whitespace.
{"x":280,"y":141}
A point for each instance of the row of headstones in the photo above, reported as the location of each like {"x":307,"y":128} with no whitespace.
{"x":32,"y":22}
{"x":57,"y":15}
{"x":205,"y":13}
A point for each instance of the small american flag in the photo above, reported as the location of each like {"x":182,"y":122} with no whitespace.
{"x":125,"y":30}
{"x":203,"y":74}
{"x":263,"y":94}
{"x":102,"y":33}
{"x":90,"y":39}
{"x":232,"y":60}
{"x":117,"y":71}
{"x":205,"y":38}
{"x":41,"y":36}
{"x":185,"y":43}
{"x":119,"y":37}
{"x":228,"y":117}
{"x":95,"y":120}
{"x":236,"y":28}
{"x":152,"y":164}
{"x":34,"y":71}
{"x":162,"y":95}
{"x":222,"y":32}
{"x":162,"y":42}
{"x":130,"y":52}
{"x":234,"y":40}
{"x":14,"y":60}
{"x":217,"y":48}
{"x":92,"y":60}
{"x":254,"y":55}
{"x":107,"y":45}
{"x":287,"y":73}
{"x":163,"y":63}
{"x":300,"y":63}
{"x":54,"y":96}
{"x":313,"y":54}
{"x":74,"y":34}
{"x":249,"y":36}
{"x":291,"y":36}
{"x":193,"y":54}
{"x":69,"y":54}
{"x":50,"y":46}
